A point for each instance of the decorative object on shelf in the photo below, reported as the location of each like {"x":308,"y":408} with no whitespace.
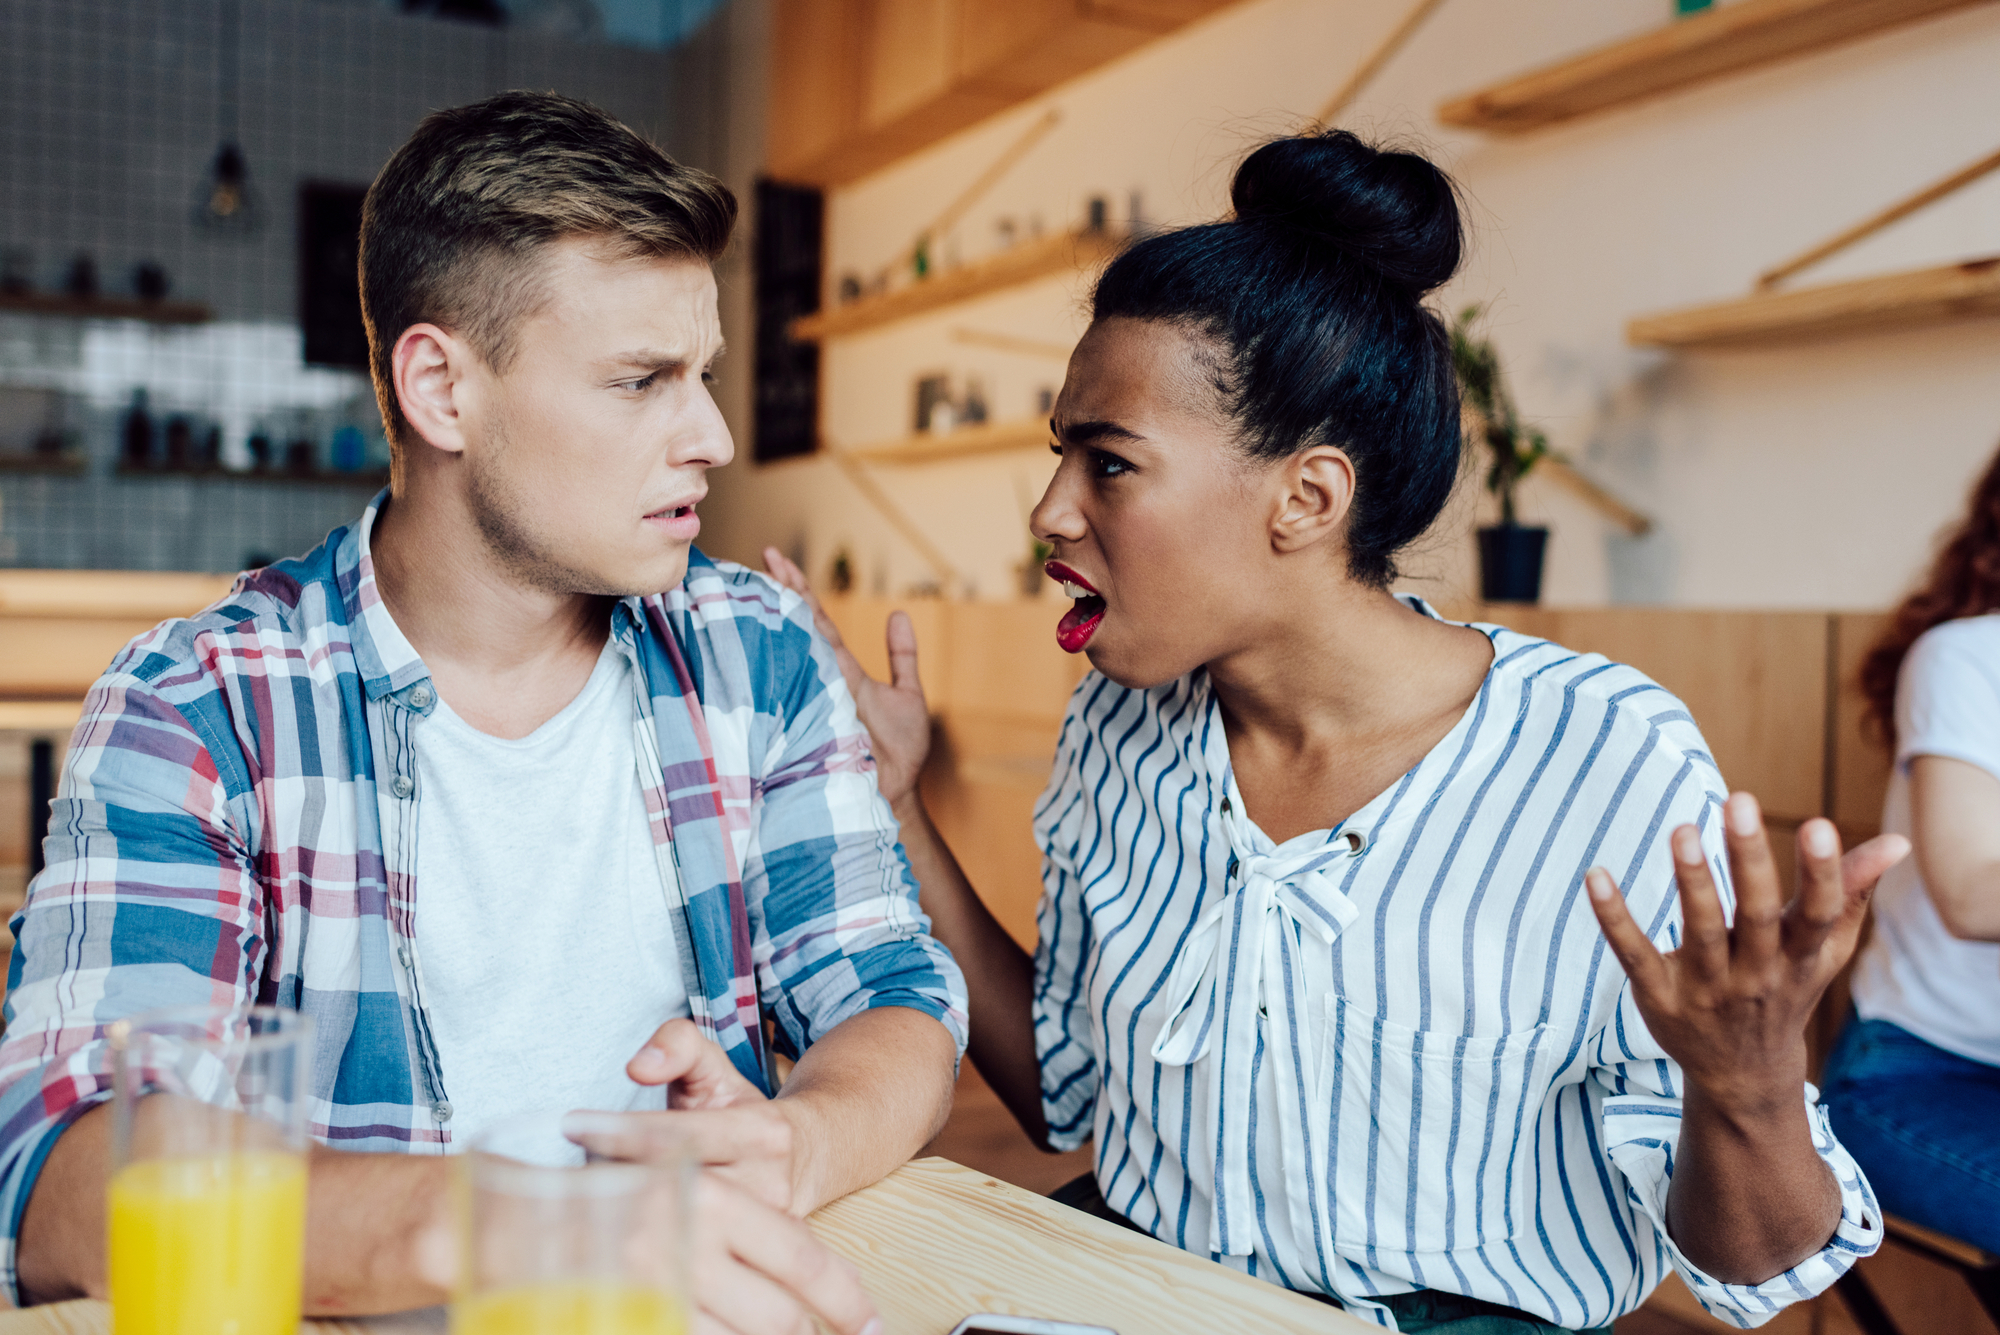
{"x":933,"y":391}
{"x":849,"y":288}
{"x":179,"y":438}
{"x":840,"y":577}
{"x":1045,"y":400}
{"x":1683,"y":8}
{"x":1768,"y":316}
{"x":1724,"y":40}
{"x":348,"y":452}
{"x":80,"y":279}
{"x":135,"y":450}
{"x":149,"y":281}
{"x":15,"y":265}
{"x":299,"y":457}
{"x":1510,"y":553}
{"x":225,"y":204}
{"x":973,"y":411}
{"x":1365,"y":73}
{"x":1096,"y":218}
{"x":263,"y":452}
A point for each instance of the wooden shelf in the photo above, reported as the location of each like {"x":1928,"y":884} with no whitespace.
{"x":1724,"y":40}
{"x":964,"y":443}
{"x":1022,"y":263}
{"x":70,"y":463}
{"x":106,"y":308}
{"x":1923,"y":296}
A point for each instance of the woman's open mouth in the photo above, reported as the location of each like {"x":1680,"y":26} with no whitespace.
{"x":1073,"y":632}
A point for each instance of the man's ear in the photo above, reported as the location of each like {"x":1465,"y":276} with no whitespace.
{"x":1319,"y":490}
{"x":428,"y":369}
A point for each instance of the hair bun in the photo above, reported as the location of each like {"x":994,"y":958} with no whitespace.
{"x":1395,"y":211}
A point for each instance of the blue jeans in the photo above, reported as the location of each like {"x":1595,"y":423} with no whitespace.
{"x":1924,"y":1124}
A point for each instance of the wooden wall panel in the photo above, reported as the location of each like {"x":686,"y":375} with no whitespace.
{"x":1754,"y":681}
{"x":1860,"y":763}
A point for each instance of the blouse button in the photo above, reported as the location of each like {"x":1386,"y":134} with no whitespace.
{"x":441,"y":1110}
{"x":402,"y":787}
{"x":421,"y":698}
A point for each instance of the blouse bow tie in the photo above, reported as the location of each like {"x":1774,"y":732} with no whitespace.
{"x":1241,"y":964}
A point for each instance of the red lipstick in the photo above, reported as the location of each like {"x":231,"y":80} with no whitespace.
{"x":1078,"y":624}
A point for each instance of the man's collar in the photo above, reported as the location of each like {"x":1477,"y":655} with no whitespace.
{"x":388,"y":663}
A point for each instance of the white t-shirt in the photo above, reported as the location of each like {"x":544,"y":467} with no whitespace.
{"x":545,"y":943}
{"x":1914,"y":973}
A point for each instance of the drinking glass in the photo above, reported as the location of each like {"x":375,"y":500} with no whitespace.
{"x":555,"y":1245}
{"x":208,"y":1188}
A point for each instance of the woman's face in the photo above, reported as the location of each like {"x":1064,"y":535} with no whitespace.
{"x":1155,"y":516}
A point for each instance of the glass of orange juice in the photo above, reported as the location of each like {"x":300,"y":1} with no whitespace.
{"x":207,"y":1204}
{"x":554,"y":1245}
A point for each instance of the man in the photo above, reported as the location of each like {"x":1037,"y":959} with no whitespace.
{"x":527,"y":806}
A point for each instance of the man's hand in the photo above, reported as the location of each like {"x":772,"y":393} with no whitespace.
{"x":716,"y":1118}
{"x":756,"y":1271}
{"x":1750,"y":1197}
{"x":1731,"y":1004}
{"x":894,"y":712}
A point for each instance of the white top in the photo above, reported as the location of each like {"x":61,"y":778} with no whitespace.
{"x":1395,"y":1054}
{"x":1914,"y":973}
{"x":544,"y":943}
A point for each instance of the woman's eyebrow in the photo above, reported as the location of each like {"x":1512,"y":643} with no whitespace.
{"x":1092,"y":432}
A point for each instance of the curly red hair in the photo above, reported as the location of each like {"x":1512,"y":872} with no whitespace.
{"x":1964,"y":581}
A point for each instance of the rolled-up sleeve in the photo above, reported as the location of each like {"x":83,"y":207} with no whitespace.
{"x":1064,"y":1040}
{"x":833,"y":906}
{"x":147,"y":900}
{"x":1641,"y":1134}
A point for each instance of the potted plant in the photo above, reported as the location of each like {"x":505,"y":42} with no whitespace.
{"x":1510,"y":552}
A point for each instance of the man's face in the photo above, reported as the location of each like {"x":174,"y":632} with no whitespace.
{"x":586,"y":457}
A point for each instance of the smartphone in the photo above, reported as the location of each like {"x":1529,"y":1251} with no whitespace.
{"x":990,"y":1323}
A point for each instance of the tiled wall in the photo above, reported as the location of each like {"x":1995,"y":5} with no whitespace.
{"x":109,"y":118}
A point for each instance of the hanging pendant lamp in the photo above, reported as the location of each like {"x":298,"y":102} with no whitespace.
{"x":225,"y":204}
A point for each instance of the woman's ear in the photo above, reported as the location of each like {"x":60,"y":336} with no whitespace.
{"x":1319,"y":489}
{"x":427,"y":369}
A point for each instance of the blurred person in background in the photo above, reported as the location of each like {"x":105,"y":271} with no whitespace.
{"x":1914,"y":1082}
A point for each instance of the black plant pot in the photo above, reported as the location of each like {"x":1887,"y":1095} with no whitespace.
{"x":1510,"y":563}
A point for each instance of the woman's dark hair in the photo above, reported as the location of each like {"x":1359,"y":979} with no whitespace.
{"x":1313,"y":297}
{"x":1964,"y":581}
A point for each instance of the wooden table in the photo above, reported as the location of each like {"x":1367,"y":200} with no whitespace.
{"x":936,"y":1242}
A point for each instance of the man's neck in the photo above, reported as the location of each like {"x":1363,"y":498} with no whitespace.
{"x":506,"y":656}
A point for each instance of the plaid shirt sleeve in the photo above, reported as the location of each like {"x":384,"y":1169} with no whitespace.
{"x":143,"y":847}
{"x":832,"y":901}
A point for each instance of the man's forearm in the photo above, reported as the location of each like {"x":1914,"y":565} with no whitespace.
{"x":999,"y":975}
{"x":378,"y":1231}
{"x":864,"y":1099}
{"x":1750,"y":1196}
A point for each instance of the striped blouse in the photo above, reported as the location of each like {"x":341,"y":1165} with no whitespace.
{"x":1396,"y":1054}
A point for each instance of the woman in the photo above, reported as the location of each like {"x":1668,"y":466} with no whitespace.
{"x":1314,"y":970}
{"x":1914,"y":1083}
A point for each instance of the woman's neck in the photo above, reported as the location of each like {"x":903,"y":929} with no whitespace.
{"x":1327,"y":710}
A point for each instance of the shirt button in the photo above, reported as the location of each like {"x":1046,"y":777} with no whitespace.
{"x":441,"y":1111}
{"x":421,"y":698}
{"x":402,"y":787}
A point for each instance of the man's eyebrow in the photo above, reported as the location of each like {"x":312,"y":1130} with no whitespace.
{"x":652,"y":357}
{"x":1092,"y":433}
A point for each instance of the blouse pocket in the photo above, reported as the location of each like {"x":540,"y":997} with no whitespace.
{"x":1432,"y":1140}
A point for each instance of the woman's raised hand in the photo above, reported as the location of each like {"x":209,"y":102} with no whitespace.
{"x":894,"y":712}
{"x":1731,"y":1004}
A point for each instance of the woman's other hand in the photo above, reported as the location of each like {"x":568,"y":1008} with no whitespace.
{"x":1731,"y":1005}
{"x":894,"y":712}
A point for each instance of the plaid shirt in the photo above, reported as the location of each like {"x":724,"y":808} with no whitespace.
{"x":237,"y":817}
